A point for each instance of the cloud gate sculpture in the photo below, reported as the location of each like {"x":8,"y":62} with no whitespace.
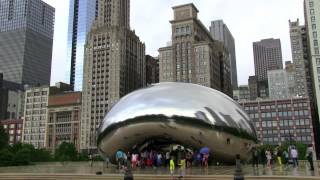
{"x":191,"y":115}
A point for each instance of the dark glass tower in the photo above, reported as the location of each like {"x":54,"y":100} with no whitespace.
{"x":26,"y":37}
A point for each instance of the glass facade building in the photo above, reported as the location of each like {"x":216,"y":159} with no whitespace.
{"x":82,"y":13}
{"x":26,"y":38}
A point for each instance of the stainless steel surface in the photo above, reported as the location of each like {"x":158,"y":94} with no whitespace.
{"x":191,"y":115}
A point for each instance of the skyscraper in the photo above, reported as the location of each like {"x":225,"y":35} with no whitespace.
{"x":82,"y":13}
{"x":114,"y":65}
{"x":267,"y":56}
{"x":312,"y":17}
{"x":152,"y":70}
{"x":194,"y":56}
{"x":220,"y":32}
{"x":300,"y":58}
{"x":26,"y":37}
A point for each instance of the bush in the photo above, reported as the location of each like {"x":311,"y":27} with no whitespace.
{"x":41,"y":155}
{"x":4,"y":138}
{"x":6,"y":158}
{"x":66,"y":152}
{"x":22,"y":157}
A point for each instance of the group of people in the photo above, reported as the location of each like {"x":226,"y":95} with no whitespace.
{"x":179,"y":157}
{"x":278,"y":156}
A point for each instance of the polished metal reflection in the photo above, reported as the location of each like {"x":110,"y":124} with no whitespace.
{"x":184,"y":113}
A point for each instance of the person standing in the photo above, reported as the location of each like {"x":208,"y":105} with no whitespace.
{"x":107,"y":160}
{"x":294,"y":156}
{"x":285,"y":157}
{"x":90,"y":160}
{"x":255,"y":157}
{"x":119,"y":158}
{"x":167,"y":158}
{"x":279,"y":154}
{"x":171,"y":166}
{"x":182,"y":168}
{"x":268,"y":157}
{"x":309,"y":156}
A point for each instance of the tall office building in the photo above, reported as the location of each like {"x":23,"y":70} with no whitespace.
{"x":152,"y":70}
{"x":82,"y":13}
{"x":312,"y":19}
{"x":220,"y":32}
{"x":194,"y":57}
{"x":267,"y":56}
{"x":114,"y":66}
{"x":300,"y":58}
{"x":26,"y":37}
{"x":281,"y":84}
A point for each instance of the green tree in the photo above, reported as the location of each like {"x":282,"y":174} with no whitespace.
{"x":22,"y":157}
{"x":66,"y":152}
{"x":4,"y":138}
{"x":6,"y":157}
{"x":41,"y":155}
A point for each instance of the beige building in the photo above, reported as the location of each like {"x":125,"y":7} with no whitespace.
{"x":64,"y":113}
{"x":35,"y":113}
{"x":34,"y":124}
{"x":114,"y":65}
{"x":300,"y":57}
{"x":194,"y":57}
{"x":312,"y":19}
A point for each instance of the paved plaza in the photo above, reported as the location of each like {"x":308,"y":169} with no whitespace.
{"x":84,"y":168}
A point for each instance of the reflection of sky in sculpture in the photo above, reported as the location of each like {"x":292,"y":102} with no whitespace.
{"x":180,"y":99}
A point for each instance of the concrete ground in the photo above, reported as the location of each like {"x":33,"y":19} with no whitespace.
{"x":79,"y":169}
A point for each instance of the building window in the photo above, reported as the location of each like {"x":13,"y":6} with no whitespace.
{"x":11,"y":9}
{"x":315,"y":42}
{"x":311,"y":4}
{"x":318,"y":61}
{"x":314,"y":26}
{"x":315,"y":35}
{"x":312,"y":11}
{"x":316,"y":51}
{"x":313,"y":19}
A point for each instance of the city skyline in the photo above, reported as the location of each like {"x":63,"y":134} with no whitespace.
{"x":255,"y":27}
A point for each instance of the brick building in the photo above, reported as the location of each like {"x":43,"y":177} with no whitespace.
{"x":279,"y":121}
{"x":63,"y":119}
{"x":14,"y":129}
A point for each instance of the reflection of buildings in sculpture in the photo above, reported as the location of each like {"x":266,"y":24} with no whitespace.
{"x":194,"y":57}
{"x":191,"y":115}
{"x":64,"y":113}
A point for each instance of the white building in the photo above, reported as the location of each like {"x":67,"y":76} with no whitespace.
{"x":312,"y":19}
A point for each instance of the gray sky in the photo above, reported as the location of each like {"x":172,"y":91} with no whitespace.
{"x":248,"y":21}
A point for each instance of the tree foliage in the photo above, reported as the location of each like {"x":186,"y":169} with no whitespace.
{"x":66,"y":152}
{"x":4,"y":138}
